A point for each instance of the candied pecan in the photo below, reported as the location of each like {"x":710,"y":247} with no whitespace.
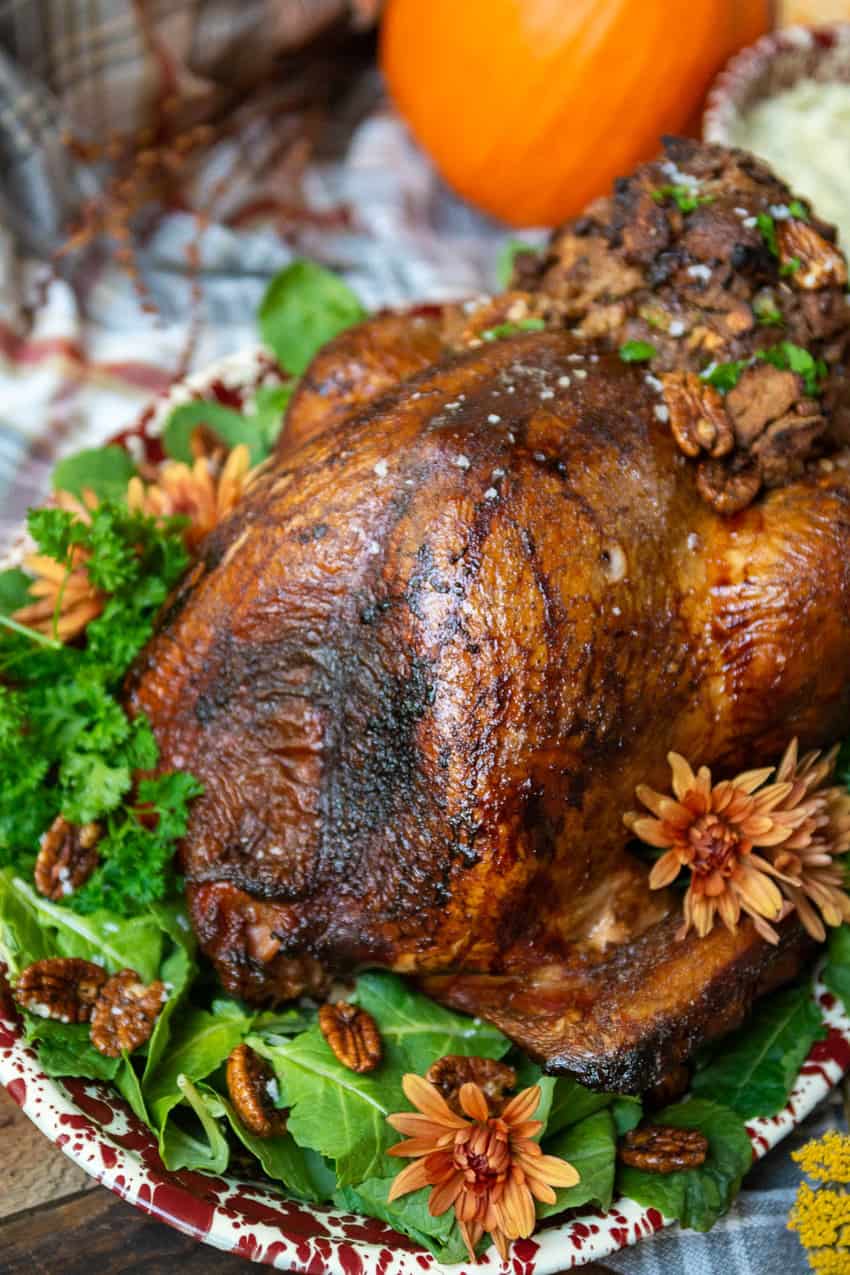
{"x":125,"y":1013}
{"x":698,"y":416}
{"x":661,"y":1148}
{"x":729,"y":488}
{"x":67,"y":857}
{"x":252,"y":1087}
{"x":453,"y":1071}
{"x":812,"y":260}
{"x":60,"y":987}
{"x":352,"y":1034}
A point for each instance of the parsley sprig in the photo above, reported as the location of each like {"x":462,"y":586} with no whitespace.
{"x":66,"y":744}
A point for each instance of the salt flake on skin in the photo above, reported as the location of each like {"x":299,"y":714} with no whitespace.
{"x":497,"y":473}
{"x":373,"y":548}
{"x":652,"y":381}
{"x":493,"y":419}
{"x":547,"y":394}
{"x":700,"y":272}
{"x":580,"y":374}
{"x":491,"y":494}
{"x":676,"y":328}
{"x":381,"y":468}
{"x":661,"y":412}
{"x":564,"y":382}
{"x":462,"y":462}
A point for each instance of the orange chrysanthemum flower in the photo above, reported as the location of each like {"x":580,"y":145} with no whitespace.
{"x":204,"y":492}
{"x":800,"y":824}
{"x":713,"y":829}
{"x":487,"y":1166}
{"x":65,"y":598}
{"x":813,"y":877}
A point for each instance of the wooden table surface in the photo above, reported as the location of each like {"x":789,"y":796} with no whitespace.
{"x":54,"y":1220}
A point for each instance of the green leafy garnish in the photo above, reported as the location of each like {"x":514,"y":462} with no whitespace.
{"x":590,"y":1146}
{"x":695,"y":1197}
{"x":836,"y":971}
{"x":508,"y":253}
{"x":798,"y":210}
{"x":303,"y":308}
{"x":637,"y":352}
{"x":502,"y":330}
{"x":754,"y":1070}
{"x":685,"y":197}
{"x":104,"y":470}
{"x":794,"y":358}
{"x":724,"y":376}
{"x":14,"y":590}
{"x":66,"y":744}
{"x":789,"y":267}
{"x":258,"y":430}
{"x":767,"y":227}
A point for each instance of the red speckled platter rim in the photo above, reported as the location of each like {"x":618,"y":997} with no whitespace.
{"x":95,"y":1128}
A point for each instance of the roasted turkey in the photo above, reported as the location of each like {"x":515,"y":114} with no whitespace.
{"x":475,"y":600}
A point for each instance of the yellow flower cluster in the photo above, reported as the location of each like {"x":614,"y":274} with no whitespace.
{"x":827,"y":1159}
{"x":821,"y":1217}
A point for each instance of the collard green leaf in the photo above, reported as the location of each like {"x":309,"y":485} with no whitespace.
{"x":337,"y":1112}
{"x":301,"y":1171}
{"x":199,"y":1043}
{"x":104,"y":470}
{"x":754,"y":1070}
{"x":836,"y":971}
{"x":128,"y":1085}
{"x":508,"y":253}
{"x":626,"y":1113}
{"x":572,"y":1103}
{"x":409,"y":1215}
{"x":258,"y":429}
{"x":696,"y":1197}
{"x":420,"y":1029}
{"x":203,"y":1147}
{"x":65,"y":1049}
{"x":42,"y":928}
{"x":591,"y":1148}
{"x":303,"y":308}
{"x":14,"y":590}
{"x":22,"y":939}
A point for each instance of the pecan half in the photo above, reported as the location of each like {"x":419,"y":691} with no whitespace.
{"x":729,"y":488}
{"x":125,"y":1013}
{"x":253,"y":1091}
{"x":494,"y":1078}
{"x":698,"y":417}
{"x":352,"y":1034}
{"x":812,"y":261}
{"x":67,"y":857}
{"x":660,"y":1148}
{"x":61,"y":987}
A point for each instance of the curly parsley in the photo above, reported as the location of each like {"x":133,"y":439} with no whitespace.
{"x":66,"y":745}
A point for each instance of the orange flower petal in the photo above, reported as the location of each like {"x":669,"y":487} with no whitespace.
{"x":522,"y":1106}
{"x":683,"y":777}
{"x":412,"y":1178}
{"x":473,"y":1102}
{"x":430,"y":1102}
{"x":443,"y":1196}
{"x":664,"y":870}
{"x":653,"y":833}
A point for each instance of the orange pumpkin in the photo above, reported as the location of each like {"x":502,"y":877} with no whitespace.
{"x":529,"y":108}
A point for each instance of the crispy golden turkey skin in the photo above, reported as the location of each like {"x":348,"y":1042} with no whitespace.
{"x":422,"y":667}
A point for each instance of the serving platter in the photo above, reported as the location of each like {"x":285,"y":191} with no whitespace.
{"x":256,"y":1220}
{"x":96,"y":1129}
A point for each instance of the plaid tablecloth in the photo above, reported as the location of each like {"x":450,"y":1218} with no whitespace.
{"x":80,"y":356}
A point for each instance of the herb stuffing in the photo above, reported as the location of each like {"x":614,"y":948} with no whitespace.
{"x":88,"y":887}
